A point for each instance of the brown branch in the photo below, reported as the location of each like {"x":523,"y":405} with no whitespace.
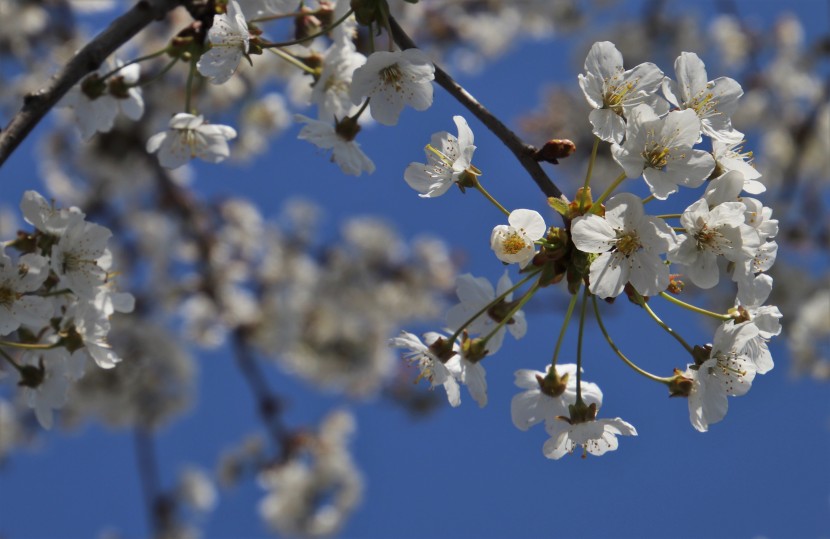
{"x":194,"y":217}
{"x":160,"y":508}
{"x":87,"y":60}
{"x":523,"y":152}
{"x":269,"y":405}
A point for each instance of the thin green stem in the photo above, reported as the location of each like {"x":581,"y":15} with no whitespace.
{"x":524,"y":299}
{"x":619,"y":353}
{"x":562,"y":331}
{"x":610,"y":190}
{"x":158,"y":75}
{"x":694,"y":309}
{"x":495,"y":300}
{"x":188,"y":89}
{"x":669,"y":216}
{"x":131,"y":62}
{"x":487,"y":195}
{"x":585,"y":294}
{"x":384,"y":13}
{"x":322,"y":32}
{"x":591,"y":163}
{"x":30,"y":346}
{"x":363,"y":107}
{"x":590,"y":171}
{"x":662,"y":324}
{"x":648,"y":199}
{"x":278,"y":16}
{"x":292,"y":60}
{"x":60,"y":292}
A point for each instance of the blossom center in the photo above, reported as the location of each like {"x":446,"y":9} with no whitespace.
{"x":615,"y":95}
{"x":704,"y":104}
{"x":74,"y":262}
{"x":656,"y":155}
{"x":628,"y":242}
{"x":336,"y":85}
{"x":707,"y":238}
{"x":392,"y":76}
{"x":513,"y":243}
{"x":7,"y":296}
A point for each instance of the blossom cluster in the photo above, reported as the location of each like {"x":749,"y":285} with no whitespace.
{"x":318,"y":337}
{"x":56,"y":300}
{"x":655,"y":127}
{"x":345,"y":84}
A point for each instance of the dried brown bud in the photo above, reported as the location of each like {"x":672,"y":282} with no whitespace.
{"x":555,"y":149}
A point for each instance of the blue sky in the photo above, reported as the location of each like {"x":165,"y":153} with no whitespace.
{"x":468,"y":472}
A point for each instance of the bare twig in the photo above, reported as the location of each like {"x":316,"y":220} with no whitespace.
{"x":87,"y":60}
{"x":523,"y":152}
{"x":268,"y":404}
{"x":194,"y":218}
{"x":159,"y":506}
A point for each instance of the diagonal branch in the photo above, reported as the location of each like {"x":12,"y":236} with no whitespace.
{"x":523,"y":152}
{"x":87,"y":60}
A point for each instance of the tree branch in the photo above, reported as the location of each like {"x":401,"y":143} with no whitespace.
{"x":523,"y":152}
{"x":87,"y":60}
{"x":159,"y":507}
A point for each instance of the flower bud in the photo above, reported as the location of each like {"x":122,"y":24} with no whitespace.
{"x":680,"y":386}
{"x":701,"y":353}
{"x":368,"y":11}
{"x":555,"y":149}
{"x":582,"y":413}
{"x":675,"y":284}
{"x":93,"y":87}
{"x":31,"y":376}
{"x":442,"y":349}
{"x":552,"y":385}
{"x":474,"y":350}
{"x":347,"y":128}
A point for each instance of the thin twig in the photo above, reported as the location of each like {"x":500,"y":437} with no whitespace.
{"x":523,"y":152}
{"x":37,"y":104}
{"x":268,"y":404}
{"x":159,"y":508}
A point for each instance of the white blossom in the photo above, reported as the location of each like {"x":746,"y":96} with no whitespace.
{"x":613,"y":92}
{"x":118,"y":93}
{"x":514,"y":243}
{"x":475,"y":294}
{"x":81,"y":258}
{"x":44,"y":216}
{"x":728,"y":157}
{"x":472,"y":375}
{"x":448,"y":158}
{"x":331,"y":91}
{"x":711,"y":233}
{"x":196,"y":489}
{"x":630,"y":244}
{"x":431,"y":367}
{"x":728,"y":372}
{"x":596,"y":437}
{"x":345,"y":152}
{"x":535,"y":405}
{"x":713,"y":101}
{"x":660,"y":149}
{"x":189,"y":136}
{"x":50,"y":393}
{"x":392,"y":80}
{"x":314,"y":496}
{"x":16,"y":306}
{"x":229,"y":42}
